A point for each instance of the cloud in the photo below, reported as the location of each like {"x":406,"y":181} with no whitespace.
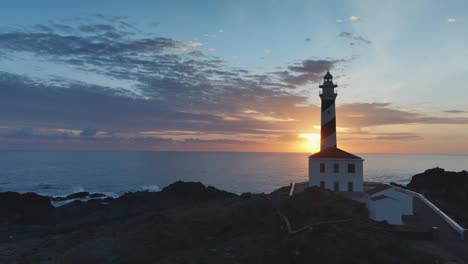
{"x":94,"y":28}
{"x":398,"y":136}
{"x":339,"y":21}
{"x":359,"y":115}
{"x":196,"y":53}
{"x":366,"y":135}
{"x":453,"y":111}
{"x":173,"y":87}
{"x":307,"y":71}
{"x":217,"y":141}
{"x":307,"y":39}
{"x":88,"y":132}
{"x":357,"y":38}
{"x":354,"y":18}
{"x":24,"y":133}
{"x":52,"y":44}
{"x":192,"y":43}
{"x":221,"y":30}
{"x":451,"y":20}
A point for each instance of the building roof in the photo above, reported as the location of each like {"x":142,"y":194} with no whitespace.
{"x":384,"y":187}
{"x":380,"y":197}
{"x":333,"y":153}
{"x":378,"y":189}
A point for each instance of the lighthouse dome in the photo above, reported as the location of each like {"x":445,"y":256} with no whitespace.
{"x":328,"y":76}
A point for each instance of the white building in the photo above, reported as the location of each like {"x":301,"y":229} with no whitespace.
{"x":333,"y":168}
{"x":387,"y":203}
{"x":336,"y":170}
{"x":384,"y":208}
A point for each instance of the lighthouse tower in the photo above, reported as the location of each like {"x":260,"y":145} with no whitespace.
{"x":333,"y":168}
{"x":328,"y":129}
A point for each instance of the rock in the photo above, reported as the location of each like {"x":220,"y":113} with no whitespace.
{"x":97,"y":195}
{"x":448,"y":190}
{"x":188,"y":222}
{"x":194,"y":191}
{"x":25,"y":208}
{"x":78,"y":195}
{"x":440,"y":184}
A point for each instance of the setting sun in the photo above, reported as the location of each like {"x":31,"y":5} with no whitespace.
{"x":312,"y":142}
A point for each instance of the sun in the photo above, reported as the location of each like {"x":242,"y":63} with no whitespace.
{"x":312,"y":142}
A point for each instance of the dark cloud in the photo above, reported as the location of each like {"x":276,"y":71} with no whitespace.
{"x":43,"y":28}
{"x":307,"y":71}
{"x":33,"y":134}
{"x":354,"y":38}
{"x":174,"y":106}
{"x":196,"y":53}
{"x":52,"y":44}
{"x":61,"y":27}
{"x":88,"y":132}
{"x":24,"y":133}
{"x":455,"y":111}
{"x":97,"y":28}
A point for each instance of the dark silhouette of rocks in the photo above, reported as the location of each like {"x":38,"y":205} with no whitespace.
{"x":439,"y":183}
{"x":192,"y":223}
{"x":78,"y":195}
{"x":25,"y":208}
{"x":447,"y":189}
{"x":193,"y":190}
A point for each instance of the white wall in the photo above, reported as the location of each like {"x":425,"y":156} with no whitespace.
{"x":385,"y":209}
{"x":343,"y":177}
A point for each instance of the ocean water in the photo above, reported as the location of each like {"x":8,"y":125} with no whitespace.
{"x":58,"y":173}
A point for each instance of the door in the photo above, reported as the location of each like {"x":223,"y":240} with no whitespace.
{"x":336,"y":186}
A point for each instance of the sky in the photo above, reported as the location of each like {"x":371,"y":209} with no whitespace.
{"x":233,"y":75}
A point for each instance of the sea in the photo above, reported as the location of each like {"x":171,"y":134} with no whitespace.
{"x":59,"y":173}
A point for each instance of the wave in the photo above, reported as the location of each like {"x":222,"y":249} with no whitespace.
{"x":150,"y":188}
{"x":105,"y":195}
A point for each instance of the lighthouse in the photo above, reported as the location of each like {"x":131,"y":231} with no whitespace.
{"x":333,"y":168}
{"x":328,"y":114}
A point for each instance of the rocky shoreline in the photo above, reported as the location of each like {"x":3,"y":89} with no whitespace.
{"x":187,"y":222}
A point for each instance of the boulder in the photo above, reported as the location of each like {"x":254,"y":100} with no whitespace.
{"x":26,"y":208}
{"x":441,"y":184}
{"x":78,"y":195}
{"x":194,"y":191}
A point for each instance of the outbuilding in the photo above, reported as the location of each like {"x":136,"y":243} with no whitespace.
{"x":385,"y":208}
{"x":388,"y":203}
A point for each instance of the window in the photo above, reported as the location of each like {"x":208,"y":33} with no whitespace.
{"x":322,"y":167}
{"x":336,"y":187}
{"x":322,"y":184}
{"x":351,"y":168}
{"x":336,"y":168}
{"x":350,"y":186}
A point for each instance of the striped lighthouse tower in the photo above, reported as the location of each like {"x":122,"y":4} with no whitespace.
{"x":328,"y":96}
